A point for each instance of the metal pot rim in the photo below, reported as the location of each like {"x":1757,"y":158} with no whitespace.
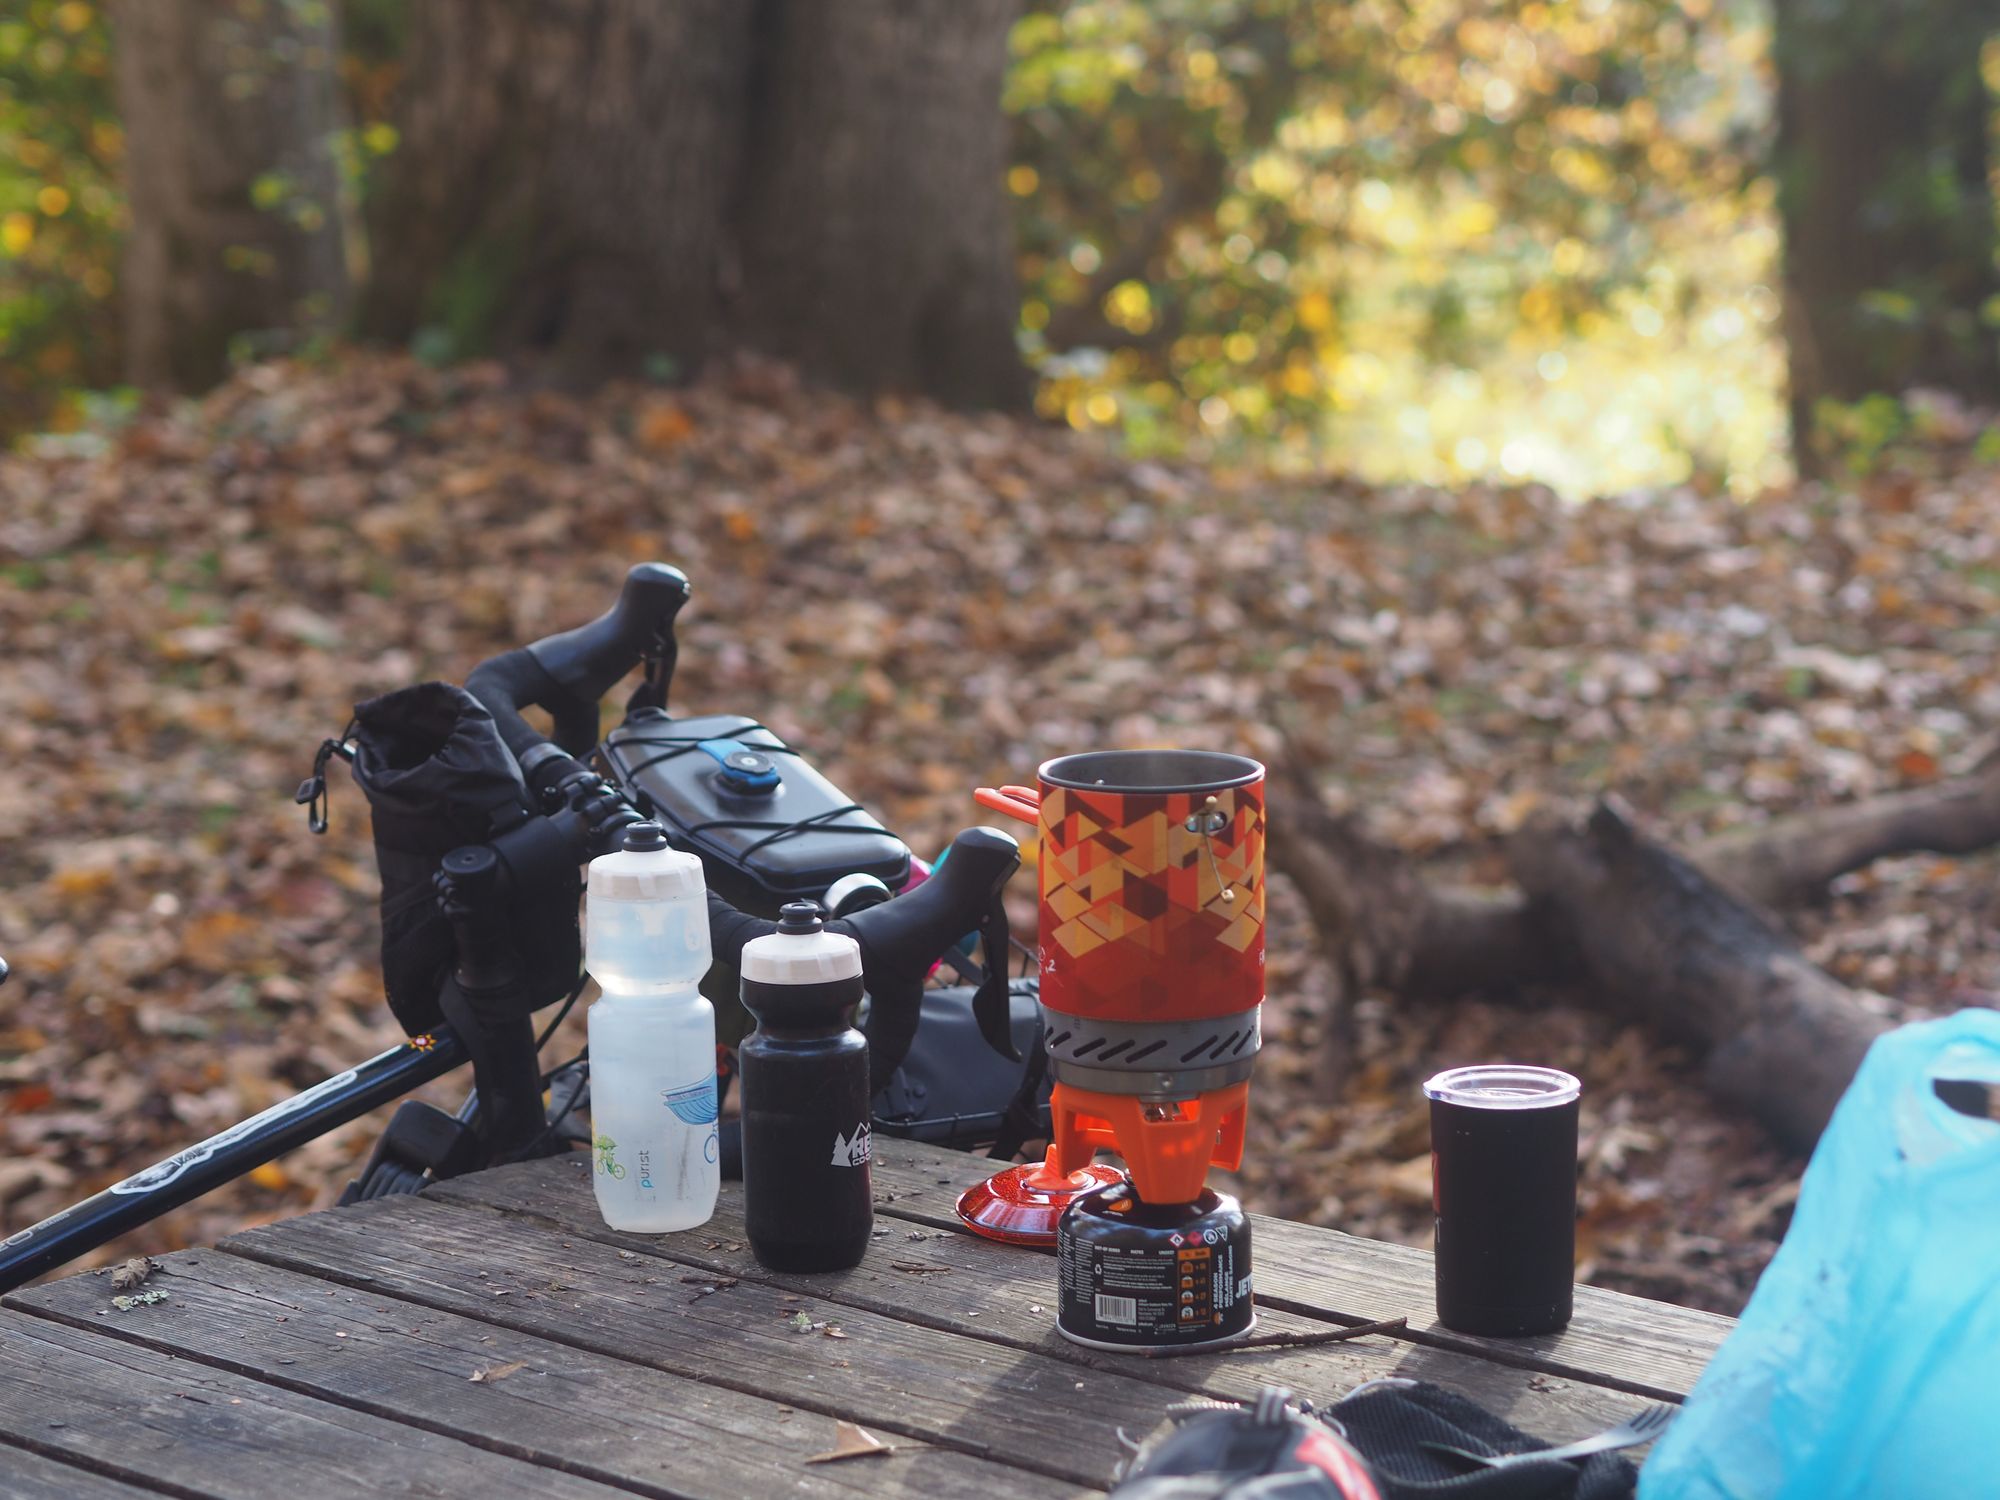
{"x":1150,"y":772}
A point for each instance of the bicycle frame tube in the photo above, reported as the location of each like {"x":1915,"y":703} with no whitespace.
{"x":205,"y":1166}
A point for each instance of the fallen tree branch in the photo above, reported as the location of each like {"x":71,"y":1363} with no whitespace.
{"x":1792,"y":860}
{"x":1676,"y":941}
{"x":1383,"y":926}
{"x":1661,"y":941}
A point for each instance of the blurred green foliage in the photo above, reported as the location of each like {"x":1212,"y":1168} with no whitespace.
{"x":1915,"y":433}
{"x":1418,"y":238}
{"x":61,"y":213}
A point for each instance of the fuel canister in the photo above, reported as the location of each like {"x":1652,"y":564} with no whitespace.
{"x":1135,"y":1275}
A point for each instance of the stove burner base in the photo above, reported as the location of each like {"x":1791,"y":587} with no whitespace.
{"x":1022,"y":1205}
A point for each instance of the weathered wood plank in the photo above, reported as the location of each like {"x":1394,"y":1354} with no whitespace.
{"x":889,"y":1375}
{"x":152,"y":1420}
{"x":1652,"y":1348}
{"x":972,"y":1286}
{"x":589,"y":1414}
{"x":30,"y":1476}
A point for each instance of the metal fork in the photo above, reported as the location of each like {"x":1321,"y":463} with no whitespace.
{"x":1642,"y":1427}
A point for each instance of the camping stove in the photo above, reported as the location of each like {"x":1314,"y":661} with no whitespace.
{"x":1152,"y":976}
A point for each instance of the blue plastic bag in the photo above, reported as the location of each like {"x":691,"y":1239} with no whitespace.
{"x":1868,"y":1360}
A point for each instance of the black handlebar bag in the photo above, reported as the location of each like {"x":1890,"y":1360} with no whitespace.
{"x":430,"y":761}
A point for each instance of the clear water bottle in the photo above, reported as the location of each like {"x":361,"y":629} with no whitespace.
{"x":652,"y":1037}
{"x":804,"y":1076}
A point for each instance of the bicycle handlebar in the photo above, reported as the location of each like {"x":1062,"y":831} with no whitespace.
{"x":567,"y":673}
{"x":899,"y":939}
{"x":588,"y":660}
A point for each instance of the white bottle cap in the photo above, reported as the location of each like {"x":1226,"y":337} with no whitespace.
{"x":655,"y":874}
{"x":808,"y":956}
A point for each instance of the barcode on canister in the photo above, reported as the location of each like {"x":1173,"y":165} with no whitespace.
{"x":1117,"y":1309}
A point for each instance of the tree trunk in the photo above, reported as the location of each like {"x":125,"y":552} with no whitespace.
{"x":230,"y":115}
{"x":876,"y":247}
{"x":1882,"y":164}
{"x":612,"y":181}
{"x":560,"y":179}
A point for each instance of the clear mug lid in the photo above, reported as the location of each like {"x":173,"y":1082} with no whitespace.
{"x":1504,"y":1086}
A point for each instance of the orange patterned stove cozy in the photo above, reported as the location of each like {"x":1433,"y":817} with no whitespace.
{"x":1152,"y":972}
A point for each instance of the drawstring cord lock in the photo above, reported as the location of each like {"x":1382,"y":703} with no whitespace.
{"x":311,"y":794}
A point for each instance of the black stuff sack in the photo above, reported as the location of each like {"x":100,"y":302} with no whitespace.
{"x":436,"y":775}
{"x":1393,"y":1422}
{"x":1375,"y":1443}
{"x":1269,"y":1450}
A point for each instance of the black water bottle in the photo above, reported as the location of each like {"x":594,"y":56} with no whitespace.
{"x":807,"y":1201}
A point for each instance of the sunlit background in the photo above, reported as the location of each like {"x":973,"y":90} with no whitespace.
{"x":1404,"y":239}
{"x":1439,"y":250}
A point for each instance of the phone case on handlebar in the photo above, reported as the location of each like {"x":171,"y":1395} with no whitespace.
{"x":768,"y":827}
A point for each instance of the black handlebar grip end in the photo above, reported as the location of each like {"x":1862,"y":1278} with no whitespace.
{"x":586,"y":661}
{"x":652,"y":596}
{"x":661,"y":575}
{"x":992,"y":848}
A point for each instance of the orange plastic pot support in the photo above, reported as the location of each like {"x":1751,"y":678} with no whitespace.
{"x":1168,"y":1148}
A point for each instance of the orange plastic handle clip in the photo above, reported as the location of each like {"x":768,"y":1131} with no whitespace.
{"x":1023,"y":802}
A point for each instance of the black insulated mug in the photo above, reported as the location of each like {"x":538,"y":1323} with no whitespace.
{"x":1503,"y":1187}
{"x":807,"y":1203}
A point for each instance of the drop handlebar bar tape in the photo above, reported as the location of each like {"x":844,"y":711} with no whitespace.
{"x":568,"y":672}
{"x":505,"y":684}
{"x":900,"y":939}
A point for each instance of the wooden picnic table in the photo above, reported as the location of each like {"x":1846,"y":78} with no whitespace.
{"x":491,"y":1338}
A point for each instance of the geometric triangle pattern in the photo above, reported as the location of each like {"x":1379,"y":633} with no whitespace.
{"x":1135,"y":926}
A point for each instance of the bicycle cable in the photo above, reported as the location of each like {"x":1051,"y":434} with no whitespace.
{"x":555,"y":1121}
{"x":567,"y":1005}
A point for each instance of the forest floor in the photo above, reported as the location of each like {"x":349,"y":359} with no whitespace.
{"x":927,"y":602}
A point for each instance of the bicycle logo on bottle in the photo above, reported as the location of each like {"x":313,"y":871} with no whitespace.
{"x":606,"y":1162}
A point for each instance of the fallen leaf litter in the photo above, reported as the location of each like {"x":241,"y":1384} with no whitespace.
{"x":1457,"y":657}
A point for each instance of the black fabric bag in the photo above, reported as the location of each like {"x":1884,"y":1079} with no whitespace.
{"x":1388,"y":1421}
{"x":1268,"y":1451}
{"x":952,"y":1088}
{"x":1276,"y":1451}
{"x":430,"y":762}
